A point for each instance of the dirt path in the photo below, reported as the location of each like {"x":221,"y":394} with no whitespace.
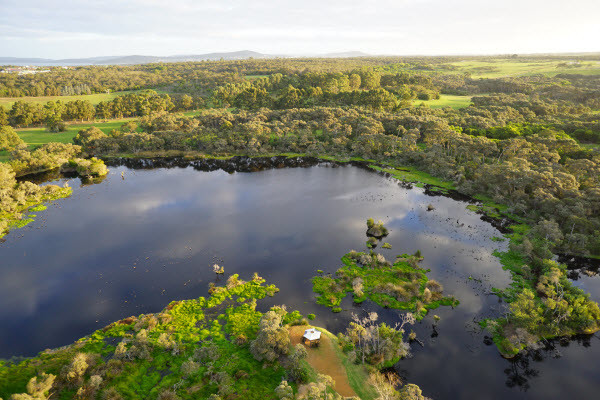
{"x":325,"y":360}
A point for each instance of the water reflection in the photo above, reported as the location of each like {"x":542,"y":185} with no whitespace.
{"x":129,"y":246}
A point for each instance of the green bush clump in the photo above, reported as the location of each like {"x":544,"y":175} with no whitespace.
{"x":376,"y":230}
{"x":17,"y":198}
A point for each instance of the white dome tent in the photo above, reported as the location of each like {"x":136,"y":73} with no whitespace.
{"x":311,"y":336}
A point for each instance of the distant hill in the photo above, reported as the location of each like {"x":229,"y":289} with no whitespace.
{"x":345,"y":54}
{"x":24,"y":61}
{"x":141,"y":59}
{"x":135,"y":59}
{"x":234,"y":55}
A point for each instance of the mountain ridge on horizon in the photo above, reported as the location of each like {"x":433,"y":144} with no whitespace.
{"x":134,"y":59}
{"x":144,"y":59}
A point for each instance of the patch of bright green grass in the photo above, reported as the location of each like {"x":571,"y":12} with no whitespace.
{"x":514,"y":67}
{"x":446,"y":100}
{"x":96,"y":98}
{"x":36,"y":137}
{"x":413,"y":175}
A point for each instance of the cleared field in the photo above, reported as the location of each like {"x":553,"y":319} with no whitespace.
{"x":446,"y":100}
{"x":327,"y":358}
{"x":36,"y":137}
{"x":510,"y":67}
{"x":96,"y":98}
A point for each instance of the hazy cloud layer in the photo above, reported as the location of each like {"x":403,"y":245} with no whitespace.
{"x":70,"y":28}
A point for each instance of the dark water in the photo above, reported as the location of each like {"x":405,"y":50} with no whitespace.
{"x":126,"y":247}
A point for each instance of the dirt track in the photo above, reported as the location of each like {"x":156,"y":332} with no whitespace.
{"x":325,"y":360}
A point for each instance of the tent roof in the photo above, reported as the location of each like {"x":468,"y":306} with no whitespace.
{"x":312,"y":334}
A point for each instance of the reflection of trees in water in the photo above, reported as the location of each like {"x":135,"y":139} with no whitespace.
{"x":233,"y":164}
{"x":519,"y":373}
{"x":576,"y":274}
{"x":521,"y":370}
{"x":579,"y":267}
{"x":56,"y":174}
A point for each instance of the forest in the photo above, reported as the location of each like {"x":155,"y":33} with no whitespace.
{"x":526,"y":146}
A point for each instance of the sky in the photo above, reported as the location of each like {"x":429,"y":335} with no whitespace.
{"x":88,"y":28}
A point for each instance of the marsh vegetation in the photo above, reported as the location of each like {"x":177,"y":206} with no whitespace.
{"x":369,"y":276}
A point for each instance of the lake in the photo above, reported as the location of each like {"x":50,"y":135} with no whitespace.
{"x":130,"y":246}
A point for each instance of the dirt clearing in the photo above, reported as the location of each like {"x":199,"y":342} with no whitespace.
{"x":323,"y":358}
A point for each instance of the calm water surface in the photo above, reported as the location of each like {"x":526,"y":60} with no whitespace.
{"x":126,"y":247}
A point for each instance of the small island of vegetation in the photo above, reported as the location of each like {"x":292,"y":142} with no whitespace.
{"x":402,"y":285}
{"x":376,"y":230}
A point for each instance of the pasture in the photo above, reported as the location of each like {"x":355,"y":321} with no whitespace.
{"x":446,"y":100}
{"x":95,"y":98}
{"x":36,"y":137}
{"x":513,"y":67}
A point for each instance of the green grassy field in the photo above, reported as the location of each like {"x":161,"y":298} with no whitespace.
{"x":446,"y":100}
{"x":511,"y":67}
{"x":36,"y":137}
{"x":96,"y":98}
{"x":591,"y":146}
